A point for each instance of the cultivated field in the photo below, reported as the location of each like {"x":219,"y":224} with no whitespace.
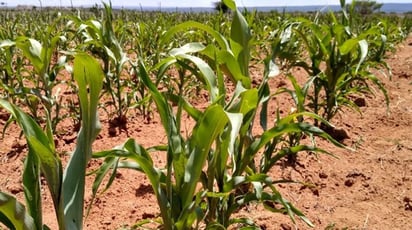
{"x":245,"y":120}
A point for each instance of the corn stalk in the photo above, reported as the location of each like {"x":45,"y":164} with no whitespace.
{"x":66,"y":188}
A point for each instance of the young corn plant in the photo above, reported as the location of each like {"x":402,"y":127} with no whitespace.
{"x":11,"y":70}
{"x":338,"y":64}
{"x":43,"y":57}
{"x":213,"y":172}
{"x":99,"y":37}
{"x":66,"y":186}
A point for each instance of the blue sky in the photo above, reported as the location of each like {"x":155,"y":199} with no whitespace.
{"x":182,"y":3}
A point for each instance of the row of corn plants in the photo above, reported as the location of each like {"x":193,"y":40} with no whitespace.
{"x":220,"y":153}
{"x":222,"y":164}
{"x":97,"y":33}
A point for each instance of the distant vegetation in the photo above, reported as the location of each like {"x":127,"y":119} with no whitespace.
{"x":364,"y":7}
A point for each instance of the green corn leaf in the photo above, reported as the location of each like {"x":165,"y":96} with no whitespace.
{"x":32,"y":188}
{"x":109,"y":164}
{"x":236,"y":120}
{"x":264,"y":93}
{"x":7,"y":43}
{"x":185,"y":26}
{"x":288,"y":208}
{"x":239,"y":180}
{"x":342,"y":4}
{"x":273,"y":69}
{"x":175,"y":141}
{"x":322,"y":41}
{"x":89,"y":77}
{"x":381,"y":86}
{"x":348,"y":46}
{"x":299,"y":95}
{"x":280,"y":129}
{"x":230,"y":3}
{"x":162,"y":105}
{"x":136,"y":153}
{"x":51,"y":168}
{"x":42,"y":157}
{"x":207,"y":73}
{"x":191,"y":111}
{"x":13,"y":214}
{"x":193,"y":47}
{"x":110,"y":53}
{"x":32,"y":49}
{"x":363,"y":44}
{"x":246,"y":106}
{"x":294,"y":150}
{"x":163,"y":66}
{"x":240,"y":37}
{"x":112,"y":163}
{"x":206,"y":131}
{"x":232,"y":68}
{"x":382,"y":49}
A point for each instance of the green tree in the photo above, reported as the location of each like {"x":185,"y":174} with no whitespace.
{"x":365,"y":7}
{"x":221,"y":6}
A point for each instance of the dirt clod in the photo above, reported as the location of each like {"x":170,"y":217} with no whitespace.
{"x":360,"y":101}
{"x":323,"y":175}
{"x":349,"y":182}
{"x":15,"y":189}
{"x":285,"y":227}
{"x":408,"y":203}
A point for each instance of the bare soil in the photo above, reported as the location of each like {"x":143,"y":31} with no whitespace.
{"x":367,"y":188}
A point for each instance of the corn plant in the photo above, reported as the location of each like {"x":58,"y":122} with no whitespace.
{"x":145,"y":44}
{"x":11,"y":68}
{"x":8,"y":64}
{"x":43,"y":57}
{"x":99,"y":37}
{"x":66,"y":187}
{"x":339,"y":64}
{"x":212,"y":173}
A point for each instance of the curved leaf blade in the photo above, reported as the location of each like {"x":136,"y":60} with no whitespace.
{"x":13,"y":213}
